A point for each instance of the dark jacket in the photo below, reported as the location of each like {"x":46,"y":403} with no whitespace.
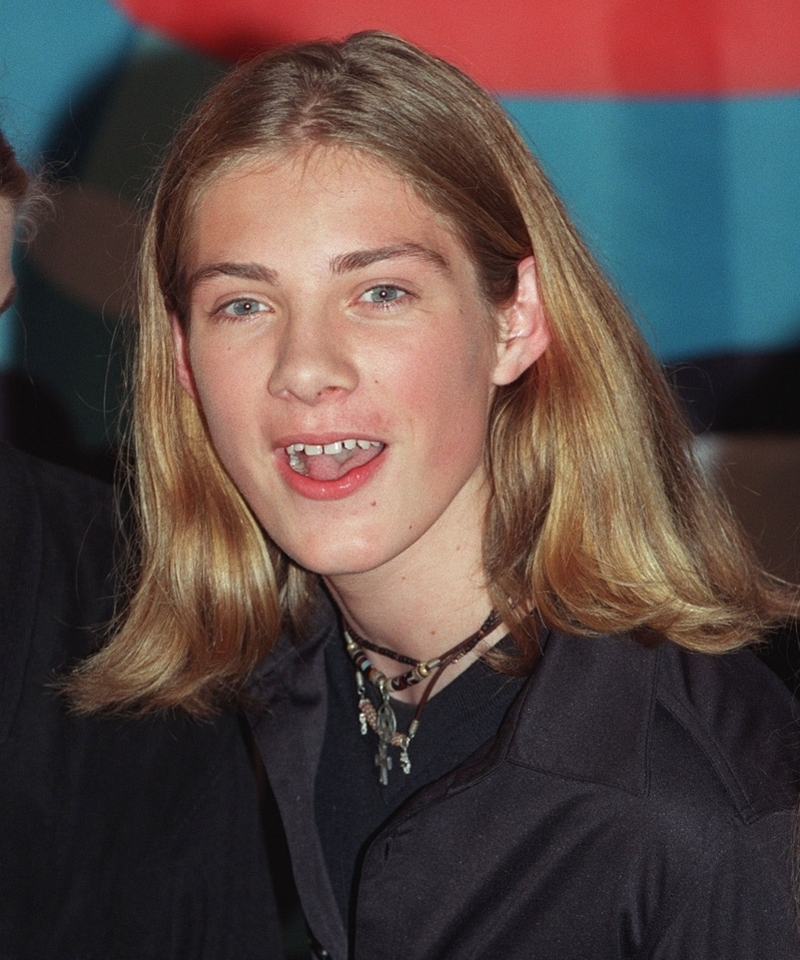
{"x":119,"y":839}
{"x":635,"y":803}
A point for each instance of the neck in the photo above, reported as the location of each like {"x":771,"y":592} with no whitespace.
{"x":421,"y":604}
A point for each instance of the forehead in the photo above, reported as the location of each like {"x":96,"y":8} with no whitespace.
{"x":301,"y":159}
{"x":316,"y":205}
{"x":323,"y":175}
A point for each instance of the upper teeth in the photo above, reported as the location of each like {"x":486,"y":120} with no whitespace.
{"x":314,"y":449}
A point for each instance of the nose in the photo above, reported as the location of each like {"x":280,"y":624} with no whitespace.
{"x":313,"y":361}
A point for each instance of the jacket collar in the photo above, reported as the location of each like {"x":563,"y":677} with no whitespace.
{"x":554,"y":725}
{"x":587,"y":711}
{"x":289,"y":729}
{"x":555,"y":728}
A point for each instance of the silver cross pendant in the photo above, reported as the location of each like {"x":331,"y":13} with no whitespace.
{"x":384,"y":762}
{"x":386,"y":723}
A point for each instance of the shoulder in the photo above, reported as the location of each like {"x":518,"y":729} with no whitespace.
{"x":32,"y":487}
{"x":723,"y":767}
{"x":57,"y":537}
{"x":686,"y":767}
{"x":611,"y":711}
{"x":48,"y":510}
{"x":697,"y":756}
{"x":738,"y":717}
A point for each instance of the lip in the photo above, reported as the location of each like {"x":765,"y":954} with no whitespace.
{"x":348,"y":484}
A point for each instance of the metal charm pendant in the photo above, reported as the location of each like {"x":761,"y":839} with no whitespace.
{"x":386,"y":722}
{"x":362,"y":718}
{"x":384,"y":763}
{"x":386,"y":728}
{"x":363,"y":704}
{"x":405,"y":763}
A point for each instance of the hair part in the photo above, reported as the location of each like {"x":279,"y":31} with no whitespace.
{"x":599,"y":519}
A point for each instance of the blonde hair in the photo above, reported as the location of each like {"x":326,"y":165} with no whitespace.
{"x":29,"y":196}
{"x":14,"y":181}
{"x":599,"y":516}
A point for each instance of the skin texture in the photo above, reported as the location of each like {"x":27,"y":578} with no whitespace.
{"x":331,"y":302}
{"x":7,"y":286}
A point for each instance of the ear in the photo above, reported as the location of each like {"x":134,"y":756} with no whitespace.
{"x":183,"y":366}
{"x":523,"y":334}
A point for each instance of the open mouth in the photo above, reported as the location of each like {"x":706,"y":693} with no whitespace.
{"x":330,"y":461}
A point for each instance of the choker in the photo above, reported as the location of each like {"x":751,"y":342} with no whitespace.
{"x":382,"y":720}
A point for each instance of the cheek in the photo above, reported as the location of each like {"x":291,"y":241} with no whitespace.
{"x":223,"y":393}
{"x":447,"y":397}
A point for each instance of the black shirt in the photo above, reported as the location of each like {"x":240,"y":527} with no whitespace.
{"x":350,"y":802}
{"x":635,"y":804}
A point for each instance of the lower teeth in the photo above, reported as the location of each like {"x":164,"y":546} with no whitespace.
{"x":297,"y":464}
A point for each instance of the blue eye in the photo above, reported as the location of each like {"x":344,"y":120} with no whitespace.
{"x":244,"y":307}
{"x":383,"y":294}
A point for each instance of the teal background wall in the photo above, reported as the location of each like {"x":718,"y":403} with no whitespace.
{"x":693,"y":206}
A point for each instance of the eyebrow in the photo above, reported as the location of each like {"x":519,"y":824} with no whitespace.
{"x":245,"y":271}
{"x":365,"y":258}
{"x":344,"y":263}
{"x":12,"y":293}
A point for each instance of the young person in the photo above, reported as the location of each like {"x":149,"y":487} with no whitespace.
{"x":126,"y":839}
{"x":382,"y":389}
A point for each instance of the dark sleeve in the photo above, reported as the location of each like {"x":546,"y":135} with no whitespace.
{"x":196,"y":880}
{"x":120,"y":839}
{"x":740,"y":905}
{"x":57,"y":538}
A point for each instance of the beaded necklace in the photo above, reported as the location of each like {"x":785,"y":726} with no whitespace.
{"x":382,"y":720}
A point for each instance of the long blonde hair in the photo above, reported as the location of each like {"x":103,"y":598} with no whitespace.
{"x":599,"y":516}
{"x":14,"y":181}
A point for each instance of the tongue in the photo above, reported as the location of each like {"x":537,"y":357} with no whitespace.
{"x":330,"y":467}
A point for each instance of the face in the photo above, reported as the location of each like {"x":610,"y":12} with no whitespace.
{"x":7,"y":287}
{"x":343,"y":358}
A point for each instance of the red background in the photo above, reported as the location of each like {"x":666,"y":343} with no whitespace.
{"x":646,"y":47}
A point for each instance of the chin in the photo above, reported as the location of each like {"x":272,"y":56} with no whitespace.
{"x":343,"y":562}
